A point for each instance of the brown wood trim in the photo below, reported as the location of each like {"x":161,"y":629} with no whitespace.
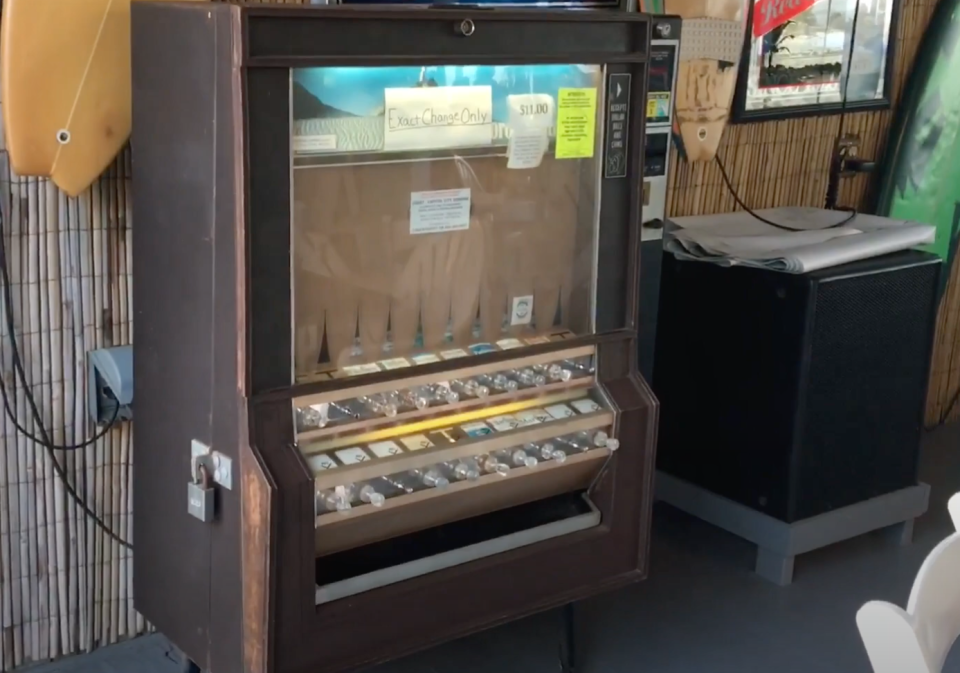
{"x":390,"y":61}
{"x":468,"y":447}
{"x":462,"y":500}
{"x":415,"y":12}
{"x":286,"y":37}
{"x":258,"y":535}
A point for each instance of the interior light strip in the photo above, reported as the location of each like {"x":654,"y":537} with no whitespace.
{"x":440,"y":422}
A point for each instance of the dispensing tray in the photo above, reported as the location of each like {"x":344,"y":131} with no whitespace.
{"x":376,"y":565}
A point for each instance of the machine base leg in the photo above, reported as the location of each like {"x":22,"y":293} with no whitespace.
{"x":774,"y":567}
{"x":567,"y":639}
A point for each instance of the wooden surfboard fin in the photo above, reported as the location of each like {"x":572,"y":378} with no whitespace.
{"x":710,"y":50}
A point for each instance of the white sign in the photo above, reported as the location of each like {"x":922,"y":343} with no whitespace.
{"x":531,"y":111}
{"x":437,"y":117}
{"x":585,"y":406}
{"x":560,"y":411}
{"x":522,"y":311}
{"x":320,"y":143}
{"x":385,"y":449}
{"x":416,"y":442}
{"x":438,"y":211}
{"x":321,"y":462}
{"x":353,"y":455}
{"x":503,"y":423}
{"x":526,"y":147}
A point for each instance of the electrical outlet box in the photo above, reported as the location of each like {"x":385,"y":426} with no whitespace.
{"x":109,"y":384}
{"x":848,"y":146}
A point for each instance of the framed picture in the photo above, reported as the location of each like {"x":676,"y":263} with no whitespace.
{"x":796,"y":54}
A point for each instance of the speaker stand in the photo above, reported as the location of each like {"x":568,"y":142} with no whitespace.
{"x":779,"y":543}
{"x":568,"y":639}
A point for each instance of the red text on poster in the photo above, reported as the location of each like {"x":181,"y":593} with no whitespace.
{"x":769,"y":14}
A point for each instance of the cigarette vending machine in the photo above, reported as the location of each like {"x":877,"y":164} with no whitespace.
{"x":661,"y":90}
{"x":389,"y":397}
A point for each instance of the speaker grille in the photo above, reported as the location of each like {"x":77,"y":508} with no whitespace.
{"x":867,"y":368}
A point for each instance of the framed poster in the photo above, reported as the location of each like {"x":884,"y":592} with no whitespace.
{"x":796,"y":53}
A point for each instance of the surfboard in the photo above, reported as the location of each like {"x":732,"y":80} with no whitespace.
{"x":920,"y":173}
{"x":713,"y":33}
{"x":65,"y":83}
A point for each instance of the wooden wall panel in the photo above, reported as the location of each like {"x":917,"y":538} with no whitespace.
{"x":64,"y":585}
{"x":786,"y":163}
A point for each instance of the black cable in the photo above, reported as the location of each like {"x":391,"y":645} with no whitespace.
{"x":852,"y":212}
{"x":44,"y":438}
{"x":736,"y":197}
{"x":833,"y":184}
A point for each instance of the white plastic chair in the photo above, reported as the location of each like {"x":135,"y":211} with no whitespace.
{"x":918,"y":639}
{"x":953,"y":506}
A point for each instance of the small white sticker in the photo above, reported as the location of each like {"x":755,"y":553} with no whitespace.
{"x":416,"y":442}
{"x":526,"y":148}
{"x":560,"y":411}
{"x":538,"y":340}
{"x":385,"y":449}
{"x":394,"y":363}
{"x":507,"y":344}
{"x":424,"y":358}
{"x":353,"y":455}
{"x":431,"y":117}
{"x":532,"y":417}
{"x":356,"y":370}
{"x":439,"y":211}
{"x":324,"y":410}
{"x":455,"y":353}
{"x":504,"y":423}
{"x":585,"y":406}
{"x":522,"y":312}
{"x":319,"y":143}
{"x":321,"y":462}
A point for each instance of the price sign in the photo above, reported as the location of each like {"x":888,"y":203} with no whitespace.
{"x":531,"y":110}
{"x":534,"y":110}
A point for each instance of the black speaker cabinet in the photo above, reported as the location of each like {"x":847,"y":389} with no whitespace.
{"x":795,"y":394}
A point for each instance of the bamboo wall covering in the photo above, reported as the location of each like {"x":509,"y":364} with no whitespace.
{"x":65,"y":587}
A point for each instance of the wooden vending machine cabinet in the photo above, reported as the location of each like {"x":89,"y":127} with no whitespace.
{"x":387,"y":263}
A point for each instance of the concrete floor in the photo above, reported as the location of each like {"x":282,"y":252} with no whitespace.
{"x":701,"y":611}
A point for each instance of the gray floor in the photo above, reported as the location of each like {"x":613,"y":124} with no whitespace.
{"x":701,"y":611}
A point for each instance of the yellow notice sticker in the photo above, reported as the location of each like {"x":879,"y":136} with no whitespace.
{"x":576,"y":123}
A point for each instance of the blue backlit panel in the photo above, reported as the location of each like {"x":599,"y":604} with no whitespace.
{"x":358,"y":92}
